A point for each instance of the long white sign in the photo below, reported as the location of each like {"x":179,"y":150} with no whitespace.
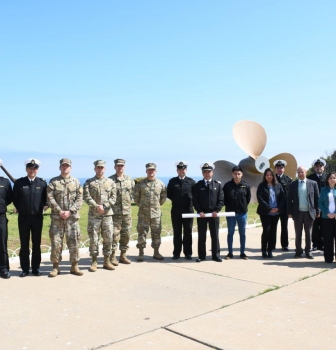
{"x":207,"y":215}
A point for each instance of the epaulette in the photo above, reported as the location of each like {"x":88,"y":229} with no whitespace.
{"x":218,"y":181}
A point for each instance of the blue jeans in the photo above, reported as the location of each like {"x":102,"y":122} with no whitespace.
{"x":231,"y":221}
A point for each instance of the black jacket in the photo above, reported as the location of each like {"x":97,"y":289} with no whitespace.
{"x":5,"y":194}
{"x":30,"y":199}
{"x":321,"y":181}
{"x":206,"y":199}
{"x":180,"y":193}
{"x":263,"y":196}
{"x":237,"y":196}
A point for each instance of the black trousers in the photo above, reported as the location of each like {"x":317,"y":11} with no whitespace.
{"x":317,"y":234}
{"x":329,"y":238}
{"x":269,"y":224}
{"x":30,"y":224}
{"x":4,"y":262}
{"x":202,"y":224}
{"x":178,"y":224}
{"x":284,"y":230}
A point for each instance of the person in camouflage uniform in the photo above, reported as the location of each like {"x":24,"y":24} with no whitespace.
{"x":65,"y":198}
{"x":122,"y":212}
{"x":149,"y":194}
{"x":100,"y":195}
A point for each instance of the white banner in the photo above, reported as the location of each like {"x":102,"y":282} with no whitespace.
{"x":207,"y":215}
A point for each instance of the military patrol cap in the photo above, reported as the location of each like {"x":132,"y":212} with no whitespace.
{"x":319,"y":161}
{"x":207,"y":166}
{"x":181,"y":165}
{"x":279,"y":163}
{"x":65,"y":161}
{"x":99,"y":163}
{"x":32,"y":163}
{"x":119,"y":161}
{"x":150,"y":166}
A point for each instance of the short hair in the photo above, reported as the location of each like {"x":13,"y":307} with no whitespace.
{"x":237,"y":168}
{"x":274,"y":181}
{"x":328,"y":176}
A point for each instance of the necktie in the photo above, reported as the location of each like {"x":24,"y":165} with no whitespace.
{"x":208,"y":183}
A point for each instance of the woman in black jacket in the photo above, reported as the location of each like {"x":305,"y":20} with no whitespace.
{"x":271,"y":201}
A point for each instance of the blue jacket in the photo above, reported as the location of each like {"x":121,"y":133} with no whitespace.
{"x":323,"y":202}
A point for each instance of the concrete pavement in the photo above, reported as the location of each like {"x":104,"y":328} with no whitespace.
{"x":279,"y":303}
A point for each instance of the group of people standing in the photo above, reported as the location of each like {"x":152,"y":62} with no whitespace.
{"x":110,"y":199}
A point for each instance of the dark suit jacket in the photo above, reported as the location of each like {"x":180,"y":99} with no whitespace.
{"x":293,"y":199}
{"x":206,"y":199}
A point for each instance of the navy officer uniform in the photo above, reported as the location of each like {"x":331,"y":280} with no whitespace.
{"x":208,"y":197}
{"x":179,"y":191}
{"x":5,"y":199}
{"x":30,"y":198}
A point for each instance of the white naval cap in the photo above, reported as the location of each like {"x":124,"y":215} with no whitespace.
{"x":181,"y":165}
{"x":32,"y":163}
{"x":279,"y":162}
{"x":319,"y":161}
{"x":207,"y":166}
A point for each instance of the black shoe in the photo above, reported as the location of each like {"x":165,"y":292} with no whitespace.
{"x":188,"y":257}
{"x":285,"y":249}
{"x":314,"y":249}
{"x":199,"y":260}
{"x":37,"y":272}
{"x":264,"y":255}
{"x":24,"y":273}
{"x":217,"y":259}
{"x":175,"y":257}
{"x":270,"y":254}
{"x":297,"y":256}
{"x":5,"y":275}
{"x":309,"y":256}
{"x":229,"y":256}
{"x":243,"y":256}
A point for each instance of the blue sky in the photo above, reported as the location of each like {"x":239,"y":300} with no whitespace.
{"x":163,"y":81}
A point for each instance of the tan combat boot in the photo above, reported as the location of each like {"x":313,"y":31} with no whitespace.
{"x":75,"y":269}
{"x":55,"y":271}
{"x":141,"y":254}
{"x":157,"y":255}
{"x":107,"y":264}
{"x":123,"y":258}
{"x":94,"y":264}
{"x":113,"y":259}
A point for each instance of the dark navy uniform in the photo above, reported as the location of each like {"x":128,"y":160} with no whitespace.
{"x":5,"y":199}
{"x":317,"y":235}
{"x":180,"y":193}
{"x":29,"y":199}
{"x":284,"y":181}
{"x":207,"y":199}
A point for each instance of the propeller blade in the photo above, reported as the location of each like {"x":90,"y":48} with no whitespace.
{"x":250,"y":136}
{"x":291,"y":166}
{"x":223,"y":171}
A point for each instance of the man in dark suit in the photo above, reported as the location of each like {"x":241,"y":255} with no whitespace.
{"x":29,"y":199}
{"x":208,"y":197}
{"x":179,"y":191}
{"x":284,"y":181}
{"x":302,"y":206}
{"x":320,"y":177}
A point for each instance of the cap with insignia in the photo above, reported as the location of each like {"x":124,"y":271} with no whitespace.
{"x":319,"y":161}
{"x":279,"y":163}
{"x":65,"y":161}
{"x":181,"y":165}
{"x":99,"y":163}
{"x":207,"y":166}
{"x":119,"y":161}
{"x":32,"y":163}
{"x":150,"y":166}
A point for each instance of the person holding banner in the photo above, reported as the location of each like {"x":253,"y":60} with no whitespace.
{"x":208,"y":197}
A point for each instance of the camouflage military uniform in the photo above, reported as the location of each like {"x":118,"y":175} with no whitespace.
{"x":100,"y":192}
{"x":149,"y":195}
{"x":64,"y":194}
{"x":122,"y":211}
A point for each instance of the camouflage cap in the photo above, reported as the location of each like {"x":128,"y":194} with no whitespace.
{"x":181,"y":165}
{"x":32,"y":163}
{"x":119,"y":161}
{"x":65,"y":161}
{"x":99,"y":163}
{"x":150,"y":166}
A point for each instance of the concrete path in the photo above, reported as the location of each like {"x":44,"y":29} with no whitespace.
{"x":279,"y":303}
